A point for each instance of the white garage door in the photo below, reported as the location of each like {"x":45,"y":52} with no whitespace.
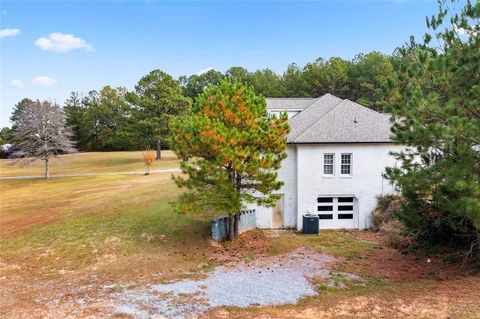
{"x":337,"y":212}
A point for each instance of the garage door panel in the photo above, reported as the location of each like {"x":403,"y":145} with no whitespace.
{"x":337,"y":212}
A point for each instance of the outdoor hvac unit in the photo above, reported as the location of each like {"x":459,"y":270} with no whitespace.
{"x":310,"y":224}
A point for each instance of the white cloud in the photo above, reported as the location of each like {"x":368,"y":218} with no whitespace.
{"x":61,"y":43}
{"x":204,"y":71}
{"x":17,"y":84}
{"x":44,"y":81}
{"x":9,"y":33}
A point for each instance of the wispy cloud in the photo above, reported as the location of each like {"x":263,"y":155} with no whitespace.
{"x":17,"y":83}
{"x":44,"y":80}
{"x":62,"y":43}
{"x":9,"y":33}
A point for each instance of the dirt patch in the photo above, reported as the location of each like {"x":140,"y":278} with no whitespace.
{"x":11,"y":225}
{"x":431,"y":299}
{"x":385,"y":262}
{"x":250,"y":244}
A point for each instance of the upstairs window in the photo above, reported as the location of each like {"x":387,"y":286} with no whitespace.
{"x":328,"y":164}
{"x":346,"y":164}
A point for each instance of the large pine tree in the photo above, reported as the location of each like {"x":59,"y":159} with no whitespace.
{"x":235,"y":150}
{"x":438,"y":117}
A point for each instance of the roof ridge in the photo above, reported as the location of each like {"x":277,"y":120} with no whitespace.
{"x":312,"y":105}
{"x":324,"y":115}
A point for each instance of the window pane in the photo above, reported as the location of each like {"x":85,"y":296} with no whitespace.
{"x":328,"y":169}
{"x":328,"y":158}
{"x":345,"y":216}
{"x":325,"y":200}
{"x":325,"y":216}
{"x":325,"y":208}
{"x":346,"y":164}
{"x":345,"y":207}
{"x":328,"y":164}
{"x":345,"y":169}
{"x":345,"y":199}
{"x":346,"y":158}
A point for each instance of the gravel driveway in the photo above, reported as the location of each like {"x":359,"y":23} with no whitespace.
{"x":266,"y":281}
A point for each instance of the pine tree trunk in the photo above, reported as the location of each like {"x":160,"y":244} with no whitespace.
{"x":47,"y":174}
{"x":159,"y":150}
{"x":237,"y":225}
{"x":231,"y":227}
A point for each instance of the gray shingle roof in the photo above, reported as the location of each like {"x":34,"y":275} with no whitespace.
{"x":289,"y":103}
{"x":333,"y":120}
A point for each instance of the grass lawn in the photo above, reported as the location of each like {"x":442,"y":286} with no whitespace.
{"x":63,"y":234}
{"x":92,"y":162}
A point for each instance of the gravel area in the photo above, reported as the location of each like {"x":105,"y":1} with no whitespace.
{"x":266,"y":281}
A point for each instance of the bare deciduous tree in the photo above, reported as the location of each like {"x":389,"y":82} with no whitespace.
{"x":41,"y":133}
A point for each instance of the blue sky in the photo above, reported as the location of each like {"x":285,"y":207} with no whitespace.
{"x":50,"y":48}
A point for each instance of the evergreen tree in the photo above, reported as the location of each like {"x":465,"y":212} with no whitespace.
{"x":18,"y":109}
{"x":157,"y":99}
{"x":438,"y":116}
{"x":75,"y":111}
{"x":5,"y":135}
{"x":368,"y":73}
{"x":235,"y":151}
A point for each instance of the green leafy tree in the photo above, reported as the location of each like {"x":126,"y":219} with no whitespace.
{"x":114,"y":118}
{"x":438,"y":116}
{"x":157,"y":99}
{"x":196,"y":83}
{"x":235,"y":151}
{"x":294,"y":83}
{"x":367,"y":75}
{"x":330,"y":76}
{"x":267,"y":83}
{"x":238,"y":74}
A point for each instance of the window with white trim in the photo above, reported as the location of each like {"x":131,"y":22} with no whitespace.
{"x":328,"y":164}
{"x":346,"y":164}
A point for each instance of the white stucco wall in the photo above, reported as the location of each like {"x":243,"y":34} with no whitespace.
{"x":365,"y":183}
{"x":304,"y":181}
{"x":288,"y":175}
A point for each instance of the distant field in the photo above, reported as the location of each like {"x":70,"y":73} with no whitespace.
{"x":92,"y":162}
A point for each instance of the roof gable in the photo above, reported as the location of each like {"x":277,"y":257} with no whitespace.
{"x":333,"y":120}
{"x":308,"y":117}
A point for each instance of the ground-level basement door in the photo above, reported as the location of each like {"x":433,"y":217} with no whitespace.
{"x":277,"y":214}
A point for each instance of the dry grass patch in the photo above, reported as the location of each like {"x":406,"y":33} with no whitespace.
{"x":92,"y":162}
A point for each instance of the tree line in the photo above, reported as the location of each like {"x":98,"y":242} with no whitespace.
{"x":114,"y":118}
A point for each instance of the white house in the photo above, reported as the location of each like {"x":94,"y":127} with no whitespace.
{"x":337,"y":153}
